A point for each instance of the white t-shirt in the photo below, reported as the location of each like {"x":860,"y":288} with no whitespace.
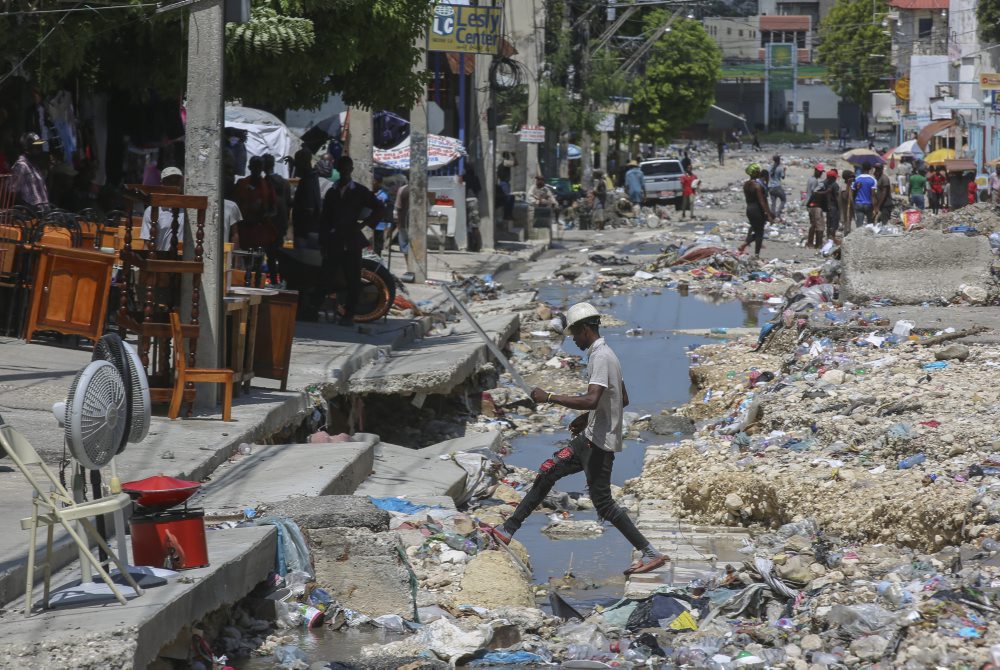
{"x":231,"y":215}
{"x":604,"y":427}
{"x":164,"y":223}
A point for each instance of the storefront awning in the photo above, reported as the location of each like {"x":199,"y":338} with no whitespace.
{"x":932,"y":129}
{"x":960,"y":165}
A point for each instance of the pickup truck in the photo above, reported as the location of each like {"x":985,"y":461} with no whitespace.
{"x":663,"y":180}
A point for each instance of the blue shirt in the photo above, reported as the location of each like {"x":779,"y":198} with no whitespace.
{"x":864,"y":186}
{"x":635,"y":181}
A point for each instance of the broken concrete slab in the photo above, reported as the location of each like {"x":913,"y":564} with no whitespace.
{"x":339,"y":511}
{"x":919,"y":266}
{"x":131,"y":636}
{"x":403,"y":472}
{"x":435,"y":364}
{"x":364,"y":571}
{"x":275,"y":473}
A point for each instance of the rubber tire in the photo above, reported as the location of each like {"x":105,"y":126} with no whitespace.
{"x":378,"y":292}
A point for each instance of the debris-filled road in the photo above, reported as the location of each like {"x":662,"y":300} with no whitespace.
{"x":823,"y":469}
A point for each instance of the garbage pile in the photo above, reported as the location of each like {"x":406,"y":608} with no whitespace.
{"x":982,"y":218}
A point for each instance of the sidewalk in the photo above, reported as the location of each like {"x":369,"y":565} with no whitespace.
{"x":34,"y":376}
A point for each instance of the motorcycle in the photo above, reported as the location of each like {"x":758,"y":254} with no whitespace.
{"x":302,"y":270}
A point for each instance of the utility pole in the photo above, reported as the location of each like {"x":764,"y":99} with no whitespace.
{"x":416,"y":258}
{"x":203,"y":168}
{"x":359,"y":144}
{"x":567,"y":19}
{"x":586,"y":144}
{"x":485,"y":158}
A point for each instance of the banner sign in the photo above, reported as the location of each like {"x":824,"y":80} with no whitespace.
{"x":989,"y":81}
{"x":532,"y":134}
{"x":464,"y":29}
{"x":781,"y":66}
{"x":440,"y":152}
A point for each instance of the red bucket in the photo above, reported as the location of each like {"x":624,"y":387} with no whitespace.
{"x":174,"y":540}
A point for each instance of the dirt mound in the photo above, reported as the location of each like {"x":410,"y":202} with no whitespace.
{"x":982,"y":216}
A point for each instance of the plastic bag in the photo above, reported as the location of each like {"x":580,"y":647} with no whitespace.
{"x":859,"y":620}
{"x":290,"y":657}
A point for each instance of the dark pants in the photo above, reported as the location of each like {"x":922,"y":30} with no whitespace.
{"x":757,"y":222}
{"x":342,"y":258}
{"x":596,"y":463}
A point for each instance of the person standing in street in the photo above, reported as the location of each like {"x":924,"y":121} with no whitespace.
{"x":973,"y":192}
{"x":341,"y":238}
{"x":600,"y":199}
{"x":847,"y":204}
{"x":935,"y":189}
{"x":832,"y":204}
{"x":865,"y":188}
{"x":776,"y":188}
{"x":758,"y":213}
{"x":28,"y":181}
{"x":688,"y":180}
{"x":686,"y":161}
{"x":882,"y":209}
{"x":307,"y":205}
{"x":635,"y":184}
{"x":722,"y":150}
{"x":282,"y":199}
{"x":817,"y":213}
{"x":756,"y":141}
{"x":918,"y":184}
{"x":597,"y":437}
{"x":994,"y":184}
{"x":903,"y":176}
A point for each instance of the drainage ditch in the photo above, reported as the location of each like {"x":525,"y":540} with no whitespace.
{"x":587,"y":571}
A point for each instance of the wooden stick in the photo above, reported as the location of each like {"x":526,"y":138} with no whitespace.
{"x":975,"y":330}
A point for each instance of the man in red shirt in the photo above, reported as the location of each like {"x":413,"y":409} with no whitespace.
{"x":688,"y":180}
{"x":973,"y":190}
{"x":936,"y":183}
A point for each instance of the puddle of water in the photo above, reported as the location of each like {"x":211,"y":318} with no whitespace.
{"x":656,"y":375}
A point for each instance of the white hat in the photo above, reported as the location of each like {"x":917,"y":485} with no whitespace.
{"x":171,"y":172}
{"x":581,"y":311}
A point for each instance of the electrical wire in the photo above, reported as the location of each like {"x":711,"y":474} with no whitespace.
{"x":36,"y":47}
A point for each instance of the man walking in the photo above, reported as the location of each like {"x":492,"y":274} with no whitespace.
{"x":635,"y":184}
{"x":883,"y":196}
{"x":817,"y":213}
{"x":918,"y":184}
{"x":775,"y":188}
{"x":865,"y":188}
{"x":597,"y":437}
{"x":995,"y":186}
{"x":341,"y":239}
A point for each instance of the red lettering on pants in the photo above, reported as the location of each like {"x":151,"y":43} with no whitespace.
{"x":547,"y":465}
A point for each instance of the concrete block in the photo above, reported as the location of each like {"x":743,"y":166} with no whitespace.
{"x":275,"y":473}
{"x":402,"y":472}
{"x":362,"y":569}
{"x":332,"y":512}
{"x":913,"y":268}
{"x":492,"y":580}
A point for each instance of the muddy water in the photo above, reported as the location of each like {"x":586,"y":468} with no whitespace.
{"x":655,"y":366}
{"x":656,"y":373}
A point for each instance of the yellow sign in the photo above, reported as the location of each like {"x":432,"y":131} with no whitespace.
{"x":463,"y":29}
{"x":989,"y":81}
{"x":902,"y":89}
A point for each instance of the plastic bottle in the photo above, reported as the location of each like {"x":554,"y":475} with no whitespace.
{"x":910,"y":461}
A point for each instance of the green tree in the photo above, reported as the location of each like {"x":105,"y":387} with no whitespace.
{"x":988,"y":18}
{"x":855,"y":48}
{"x":681,"y":72}
{"x":293,"y":53}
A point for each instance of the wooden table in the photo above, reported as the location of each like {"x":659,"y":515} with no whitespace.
{"x":272,"y":351}
{"x":242,"y":312}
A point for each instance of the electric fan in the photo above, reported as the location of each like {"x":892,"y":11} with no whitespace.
{"x":94,"y":422}
{"x":138,"y":415}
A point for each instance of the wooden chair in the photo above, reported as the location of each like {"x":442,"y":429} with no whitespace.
{"x":13,"y":238}
{"x":184,"y":375}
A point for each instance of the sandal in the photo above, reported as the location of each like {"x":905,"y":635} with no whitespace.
{"x":638,"y":567}
{"x":498,"y":533}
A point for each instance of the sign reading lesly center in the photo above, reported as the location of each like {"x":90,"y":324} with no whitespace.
{"x":463,"y":29}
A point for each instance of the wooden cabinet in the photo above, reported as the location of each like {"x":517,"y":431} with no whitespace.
{"x":70,"y":294}
{"x":275,"y":330}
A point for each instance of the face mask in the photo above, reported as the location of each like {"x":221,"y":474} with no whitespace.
{"x":334,"y":175}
